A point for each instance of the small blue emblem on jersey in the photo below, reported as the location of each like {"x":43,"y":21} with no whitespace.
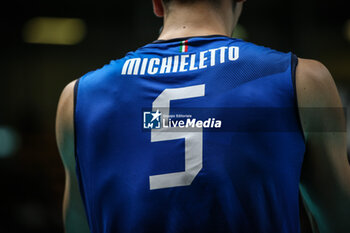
{"x":152,"y":120}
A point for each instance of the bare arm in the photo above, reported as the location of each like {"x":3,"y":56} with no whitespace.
{"x":325,"y":180}
{"x":73,"y":210}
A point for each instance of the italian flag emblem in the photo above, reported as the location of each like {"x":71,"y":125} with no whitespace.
{"x":184,"y":46}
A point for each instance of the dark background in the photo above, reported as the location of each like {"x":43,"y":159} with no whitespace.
{"x":32,"y":77}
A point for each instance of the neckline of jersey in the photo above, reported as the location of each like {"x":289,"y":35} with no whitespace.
{"x":187,"y":38}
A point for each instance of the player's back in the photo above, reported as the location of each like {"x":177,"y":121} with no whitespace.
{"x":190,"y":135}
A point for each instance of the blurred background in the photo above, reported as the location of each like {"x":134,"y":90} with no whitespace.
{"x":47,"y":44}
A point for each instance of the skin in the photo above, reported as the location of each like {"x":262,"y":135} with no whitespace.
{"x":74,"y":217}
{"x":325,"y":180}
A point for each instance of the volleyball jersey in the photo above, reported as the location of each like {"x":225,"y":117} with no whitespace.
{"x":194,"y":135}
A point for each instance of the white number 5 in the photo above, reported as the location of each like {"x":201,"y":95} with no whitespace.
{"x":193,"y":140}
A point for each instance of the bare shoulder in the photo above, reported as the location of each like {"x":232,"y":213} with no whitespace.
{"x":323,"y":182}
{"x":315,"y":85}
{"x":319,"y":102}
{"x":67,"y":97}
{"x":73,"y":210}
{"x":65,"y":125}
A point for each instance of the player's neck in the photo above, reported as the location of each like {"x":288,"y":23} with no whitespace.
{"x":199,"y":20}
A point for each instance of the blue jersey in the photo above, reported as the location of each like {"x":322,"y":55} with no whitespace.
{"x":190,"y":135}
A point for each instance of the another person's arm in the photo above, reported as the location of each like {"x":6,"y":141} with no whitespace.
{"x":325,"y":179}
{"x":74,"y":217}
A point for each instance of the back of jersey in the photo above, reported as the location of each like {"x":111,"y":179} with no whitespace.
{"x":190,"y":135}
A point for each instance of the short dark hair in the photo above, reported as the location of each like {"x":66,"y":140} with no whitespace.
{"x":214,"y":2}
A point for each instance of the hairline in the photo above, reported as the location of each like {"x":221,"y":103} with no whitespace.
{"x":214,"y":3}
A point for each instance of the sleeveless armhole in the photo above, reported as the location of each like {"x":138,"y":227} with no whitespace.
{"x":74,"y":116}
{"x":294,"y":64}
{"x":77,"y":164}
{"x":294,"y":69}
